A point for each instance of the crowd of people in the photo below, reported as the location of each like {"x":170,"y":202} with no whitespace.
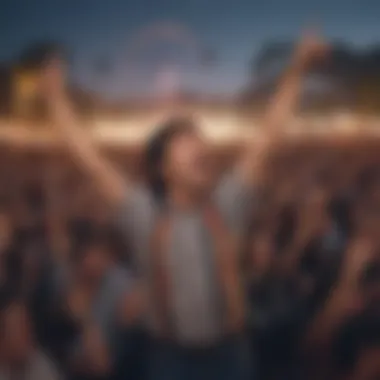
{"x":265,"y":266}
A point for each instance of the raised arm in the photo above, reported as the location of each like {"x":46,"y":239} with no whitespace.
{"x":345,"y":299}
{"x":110,"y":183}
{"x":279,"y":110}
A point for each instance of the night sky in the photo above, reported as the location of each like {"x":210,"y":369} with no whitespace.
{"x":100,"y":34}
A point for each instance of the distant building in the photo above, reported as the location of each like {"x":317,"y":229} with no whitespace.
{"x":19,"y":85}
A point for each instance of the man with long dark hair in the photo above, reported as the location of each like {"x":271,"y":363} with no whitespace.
{"x":185,"y":230}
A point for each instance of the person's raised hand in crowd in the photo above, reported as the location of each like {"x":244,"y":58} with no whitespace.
{"x":311,"y":48}
{"x":110,"y":183}
{"x":346,"y":299}
{"x":133,"y":306}
{"x":312,"y":221}
{"x":53,"y":80}
{"x":93,"y":357}
{"x":358,"y":256}
{"x":78,"y":303}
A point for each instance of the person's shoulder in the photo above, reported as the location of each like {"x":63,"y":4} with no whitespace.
{"x":233,"y":196}
{"x":140,"y":191}
{"x":229,"y":177}
{"x":232,"y":183}
{"x":139,"y":198}
{"x":137,"y":209}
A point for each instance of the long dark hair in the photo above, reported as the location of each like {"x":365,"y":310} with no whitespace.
{"x":156,"y":149}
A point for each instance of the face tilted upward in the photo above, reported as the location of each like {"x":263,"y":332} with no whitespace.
{"x":187,"y":161}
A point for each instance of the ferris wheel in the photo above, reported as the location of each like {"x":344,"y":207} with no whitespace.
{"x":165,"y":53}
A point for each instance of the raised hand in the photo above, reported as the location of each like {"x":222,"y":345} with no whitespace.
{"x":53,"y":79}
{"x":357,"y":257}
{"x":109,"y":181}
{"x":78,"y":304}
{"x":310,"y":47}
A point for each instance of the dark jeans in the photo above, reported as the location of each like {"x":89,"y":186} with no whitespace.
{"x":131,"y":364}
{"x":229,"y":360}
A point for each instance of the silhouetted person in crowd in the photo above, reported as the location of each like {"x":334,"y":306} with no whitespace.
{"x":186,"y":229}
{"x":19,"y":356}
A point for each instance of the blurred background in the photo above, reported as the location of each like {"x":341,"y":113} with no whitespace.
{"x":311,"y":260}
{"x":123,"y":55}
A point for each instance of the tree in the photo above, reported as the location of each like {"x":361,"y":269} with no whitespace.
{"x":352,"y":77}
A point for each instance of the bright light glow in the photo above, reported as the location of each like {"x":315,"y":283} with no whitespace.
{"x":218,"y":127}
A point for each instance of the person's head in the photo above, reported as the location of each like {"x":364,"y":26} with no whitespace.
{"x":92,"y":256}
{"x":16,"y":340}
{"x":176,"y":157}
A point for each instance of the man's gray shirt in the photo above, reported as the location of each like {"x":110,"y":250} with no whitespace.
{"x":195,"y":292}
